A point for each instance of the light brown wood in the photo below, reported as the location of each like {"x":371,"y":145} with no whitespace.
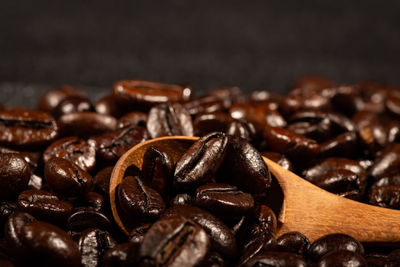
{"x":306,"y":208}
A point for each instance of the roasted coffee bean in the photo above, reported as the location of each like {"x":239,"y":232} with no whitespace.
{"x":157,"y":170}
{"x":94,"y":200}
{"x":222,"y":238}
{"x":207,"y":104}
{"x":257,"y":244}
{"x":280,"y":159}
{"x":110,"y":105}
{"x":23,"y":128}
{"x":84,"y":219}
{"x":169,"y":119}
{"x":182,"y":199}
{"x":389,"y":180}
{"x":370,"y":97}
{"x":73,"y":149}
{"x":67,"y":179}
{"x":265,"y":218}
{"x":387,"y":196}
{"x":376,"y":261}
{"x":44,"y":205}
{"x":101,"y":181}
{"x":343,"y":145}
{"x":147,"y":94}
{"x":223,"y":198}
{"x":14,"y":175}
{"x":111,"y":146}
{"x":137,"y":234}
{"x":31,"y":157}
{"x":86,"y":124}
{"x":201,"y":161}
{"x":122,"y":255}
{"x":320,"y":131}
{"x":243,"y":166}
{"x":342,"y":258}
{"x":49,"y":245}
{"x":387,"y":163}
{"x":134,"y":118}
{"x":174,"y":241}
{"x":276,"y":259}
{"x":313,"y":82}
{"x":211,"y":122}
{"x":50,"y":99}
{"x":242,"y":129}
{"x":92,"y":244}
{"x":270,"y":99}
{"x":294,"y":242}
{"x":138,"y":201}
{"x":289,"y":143}
{"x":71,"y":104}
{"x":333,"y":242}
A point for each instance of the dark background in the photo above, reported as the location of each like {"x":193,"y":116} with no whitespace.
{"x":253,"y":44}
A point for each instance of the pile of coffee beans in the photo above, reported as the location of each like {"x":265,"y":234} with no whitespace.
{"x":210,"y":208}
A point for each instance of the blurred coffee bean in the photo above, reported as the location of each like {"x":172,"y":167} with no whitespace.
{"x":201,"y":161}
{"x":343,"y":145}
{"x":211,"y":122}
{"x":66,"y":179}
{"x":169,"y":119}
{"x":27,"y":129}
{"x":50,"y":99}
{"x":122,"y":255}
{"x":174,"y":241}
{"x":111,"y":146}
{"x":280,"y":159}
{"x":84,"y":219}
{"x":14,"y":175}
{"x":71,"y":104}
{"x":387,"y":163}
{"x":207,"y":104}
{"x":101,"y":180}
{"x":110,"y":105}
{"x":94,"y":200}
{"x":134,"y":118}
{"x":313,"y":82}
{"x":44,"y":205}
{"x":342,"y":258}
{"x":86,"y":124}
{"x":387,"y":196}
{"x":73,"y":149}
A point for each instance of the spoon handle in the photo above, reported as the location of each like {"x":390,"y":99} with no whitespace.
{"x":316,"y":212}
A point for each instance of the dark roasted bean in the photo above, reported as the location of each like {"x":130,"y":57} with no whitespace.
{"x":85,"y":124}
{"x":257,"y":244}
{"x":174,"y":241}
{"x":201,"y":161}
{"x":243,"y":166}
{"x":157,"y":170}
{"x":344,"y":145}
{"x":67,"y":179}
{"x":276,"y":259}
{"x":110,"y":105}
{"x":169,"y":119}
{"x":50,"y":99}
{"x":222,"y":238}
{"x":71,"y":104}
{"x":73,"y":149}
{"x":207,"y":104}
{"x":243,"y":129}
{"x":280,"y":159}
{"x":23,"y":128}
{"x":294,"y":242}
{"x":387,"y":163}
{"x":95,"y":201}
{"x":138,"y":201}
{"x":111,"y":146}
{"x":92,"y":244}
{"x":223,"y":198}
{"x":85,"y":219}
{"x":135,"y":118}
{"x":211,"y":122}
{"x":101,"y":181}
{"x":387,"y":196}
{"x":333,"y":242}
{"x":137,"y":234}
{"x":122,"y":255}
{"x":44,"y":205}
{"x":342,"y":258}
{"x":14,"y":175}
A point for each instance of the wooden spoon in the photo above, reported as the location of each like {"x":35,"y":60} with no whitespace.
{"x":306,"y":208}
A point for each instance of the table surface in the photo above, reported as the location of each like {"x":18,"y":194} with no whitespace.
{"x":253,"y":44}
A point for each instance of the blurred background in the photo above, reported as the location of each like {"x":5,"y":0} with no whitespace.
{"x":253,"y":44}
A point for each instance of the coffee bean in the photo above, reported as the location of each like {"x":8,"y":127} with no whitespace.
{"x":84,"y":219}
{"x":137,"y":234}
{"x":71,"y":104}
{"x":293,"y":242}
{"x":14,"y":175}
{"x":174,"y":241}
{"x":110,"y":105}
{"x":211,"y":122}
{"x":101,"y":181}
{"x":342,"y":258}
{"x":278,"y":259}
{"x":50,"y":99}
{"x":122,"y":255}
{"x":387,"y":196}
{"x":280,"y":159}
{"x":134,"y":118}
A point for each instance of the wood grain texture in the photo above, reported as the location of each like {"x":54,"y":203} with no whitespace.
{"x":306,"y":208}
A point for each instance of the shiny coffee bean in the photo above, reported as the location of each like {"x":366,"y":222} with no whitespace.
{"x":111,"y":146}
{"x":84,"y":219}
{"x":66,"y":179}
{"x":134,"y":118}
{"x":271,"y":99}
{"x":174,"y":241}
{"x":294,"y":242}
{"x":201,"y":161}
{"x":101,"y":181}
{"x":277,"y":259}
{"x":92,"y":245}
{"x":14,"y":175}
{"x":44,"y":205}
{"x":255,"y":245}
{"x":147,"y":94}
{"x":223,"y":198}
{"x":157,"y":170}
{"x":138,"y":201}
{"x":264,"y":217}
{"x":333,"y":242}
{"x":211,"y":122}
{"x":50,"y":99}
{"x":243,"y":166}
{"x":110,"y":105}
{"x":31,"y":157}
{"x":94,"y":201}
{"x":343,"y":145}
{"x":23,"y":128}
{"x":387,"y":163}
{"x":222,"y":238}
{"x":342,"y":258}
{"x":387,"y":196}
{"x":86,"y":124}
{"x":389,"y":180}
{"x":169,"y":119}
{"x":242,"y":129}
{"x":207,"y":104}
{"x":280,"y":159}
{"x":71,"y":104}
{"x":122,"y":255}
{"x":73,"y":149}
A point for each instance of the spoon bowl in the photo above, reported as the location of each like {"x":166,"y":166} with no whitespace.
{"x":306,"y":208}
